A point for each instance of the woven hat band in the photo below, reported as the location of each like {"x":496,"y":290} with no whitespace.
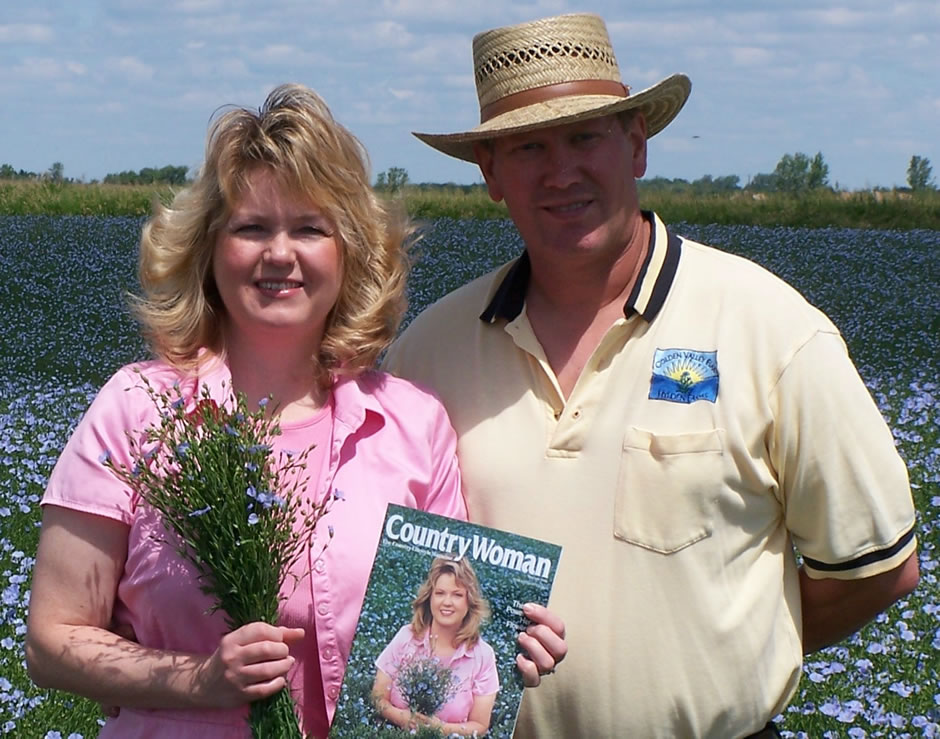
{"x":535,"y":95}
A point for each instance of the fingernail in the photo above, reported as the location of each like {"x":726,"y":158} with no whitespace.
{"x":528,"y":609}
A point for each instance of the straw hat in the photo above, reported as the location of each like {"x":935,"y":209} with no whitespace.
{"x":550,"y":72}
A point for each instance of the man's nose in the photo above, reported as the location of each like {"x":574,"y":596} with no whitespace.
{"x":561,"y":166}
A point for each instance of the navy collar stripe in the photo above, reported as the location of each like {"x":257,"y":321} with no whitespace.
{"x":508,"y":300}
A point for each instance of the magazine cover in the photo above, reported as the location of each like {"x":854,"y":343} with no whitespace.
{"x":435,"y":649}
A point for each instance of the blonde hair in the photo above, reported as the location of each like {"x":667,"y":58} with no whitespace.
{"x":313,"y":157}
{"x":478,"y":610}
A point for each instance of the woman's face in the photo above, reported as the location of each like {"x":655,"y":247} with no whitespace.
{"x":448,"y":601}
{"x":277,"y":265}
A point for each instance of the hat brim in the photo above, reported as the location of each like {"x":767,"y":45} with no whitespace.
{"x":659,"y":104}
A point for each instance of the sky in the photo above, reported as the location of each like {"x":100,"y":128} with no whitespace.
{"x":106,"y":86}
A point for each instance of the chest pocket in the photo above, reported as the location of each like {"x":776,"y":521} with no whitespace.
{"x":667,"y":488}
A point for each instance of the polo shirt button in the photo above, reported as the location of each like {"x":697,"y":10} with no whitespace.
{"x":576,"y":414}
{"x":320,"y":566}
{"x":322,"y":609}
{"x":333,"y":692}
{"x":327,"y":654}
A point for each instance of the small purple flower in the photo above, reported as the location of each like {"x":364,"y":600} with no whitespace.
{"x":200,"y":511}
{"x":253,"y":519}
{"x":263,"y":402}
{"x":330,"y":529}
{"x":251,"y":492}
{"x":104,"y":457}
{"x":231,"y":431}
{"x":338,"y":494}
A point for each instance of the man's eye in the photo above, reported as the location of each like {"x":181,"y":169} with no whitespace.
{"x":585,"y":137}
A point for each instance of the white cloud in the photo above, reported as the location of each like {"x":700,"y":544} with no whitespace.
{"x":277,"y":53}
{"x":383,"y":34}
{"x":197,"y":6}
{"x":401,"y":94}
{"x":26,"y":33}
{"x":750,"y":56}
{"x":47,"y":68}
{"x":132,"y":68}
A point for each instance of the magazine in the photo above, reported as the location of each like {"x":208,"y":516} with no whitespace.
{"x":420,"y":557}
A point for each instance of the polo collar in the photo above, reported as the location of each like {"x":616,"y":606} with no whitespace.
{"x":646,"y":299}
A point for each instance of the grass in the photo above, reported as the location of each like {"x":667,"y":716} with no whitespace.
{"x":865,"y":209}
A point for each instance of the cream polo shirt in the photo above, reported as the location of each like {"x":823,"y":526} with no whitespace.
{"x":719,"y":424}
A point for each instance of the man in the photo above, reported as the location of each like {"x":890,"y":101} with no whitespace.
{"x":676,"y":417}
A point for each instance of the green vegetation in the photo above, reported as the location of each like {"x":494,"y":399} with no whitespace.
{"x":674,"y":200}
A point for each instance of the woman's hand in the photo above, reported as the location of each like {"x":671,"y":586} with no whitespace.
{"x":543,"y":644}
{"x":250,"y":663}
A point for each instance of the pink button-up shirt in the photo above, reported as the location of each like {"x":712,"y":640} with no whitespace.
{"x":391,"y":443}
{"x":473,"y":668}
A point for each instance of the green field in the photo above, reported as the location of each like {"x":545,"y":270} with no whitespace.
{"x":64,"y":329}
{"x":883,"y":210}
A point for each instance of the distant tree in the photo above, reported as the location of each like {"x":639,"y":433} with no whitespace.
{"x":818,"y":175}
{"x":918,"y":173}
{"x":56,"y":172}
{"x":707,"y":184}
{"x":169,"y":175}
{"x":791,"y":172}
{"x":393,"y":179}
{"x":763,"y":183}
{"x":797,"y":172}
{"x":7,"y":172}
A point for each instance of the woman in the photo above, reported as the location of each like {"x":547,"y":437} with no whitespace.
{"x":278,"y":272}
{"x":445,"y":627}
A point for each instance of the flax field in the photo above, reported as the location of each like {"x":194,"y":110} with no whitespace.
{"x":64,"y":329}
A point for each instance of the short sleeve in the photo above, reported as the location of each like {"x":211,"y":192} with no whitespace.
{"x":80,"y":480}
{"x":486,"y":678}
{"x":390,"y":658}
{"x":844,"y":487}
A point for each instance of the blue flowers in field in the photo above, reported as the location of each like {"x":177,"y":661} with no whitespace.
{"x":879,"y":288}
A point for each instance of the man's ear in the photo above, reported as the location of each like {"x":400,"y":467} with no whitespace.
{"x":483,"y":151}
{"x":636,"y":133}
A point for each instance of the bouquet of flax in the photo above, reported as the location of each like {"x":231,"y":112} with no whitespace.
{"x":235,"y":511}
{"x":425,"y":683}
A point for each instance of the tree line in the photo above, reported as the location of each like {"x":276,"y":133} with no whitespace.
{"x":168,"y":175}
{"x":794,"y":173}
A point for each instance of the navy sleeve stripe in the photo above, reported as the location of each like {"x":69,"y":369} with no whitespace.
{"x":865,"y":559}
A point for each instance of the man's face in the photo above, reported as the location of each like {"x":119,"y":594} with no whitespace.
{"x":569,"y":187}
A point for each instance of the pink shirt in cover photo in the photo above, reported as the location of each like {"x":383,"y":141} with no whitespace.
{"x":474,"y":669}
{"x":390,"y":442}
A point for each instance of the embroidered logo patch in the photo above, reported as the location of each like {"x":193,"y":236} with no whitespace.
{"x":684,"y":376}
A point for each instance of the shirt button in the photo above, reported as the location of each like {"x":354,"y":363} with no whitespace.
{"x":320,"y":566}
{"x":323,"y":609}
{"x":576,"y":414}
{"x":333,"y":692}
{"x":327,"y":654}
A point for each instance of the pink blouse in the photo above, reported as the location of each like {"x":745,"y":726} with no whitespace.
{"x":474,"y":669}
{"x":391,"y":443}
